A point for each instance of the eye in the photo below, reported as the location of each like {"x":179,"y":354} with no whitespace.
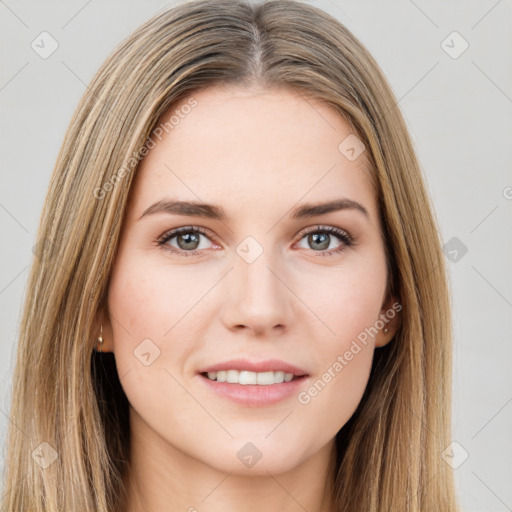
{"x":188,"y":240}
{"x":320,"y":237}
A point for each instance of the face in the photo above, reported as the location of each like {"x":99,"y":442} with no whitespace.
{"x":258,"y":283}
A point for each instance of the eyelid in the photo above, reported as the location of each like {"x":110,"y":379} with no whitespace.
{"x":327,"y":228}
{"x":171,"y":233}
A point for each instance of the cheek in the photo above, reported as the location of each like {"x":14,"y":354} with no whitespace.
{"x":145,"y":306}
{"x":147,"y":300}
{"x":344,"y":360}
{"x":348,"y":301}
{"x":347,"y":298}
{"x":157,"y":320}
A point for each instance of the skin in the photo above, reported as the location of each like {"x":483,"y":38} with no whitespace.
{"x":258,"y":153}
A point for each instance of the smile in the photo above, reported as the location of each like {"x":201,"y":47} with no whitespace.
{"x":254,"y":395}
{"x":245,"y":377}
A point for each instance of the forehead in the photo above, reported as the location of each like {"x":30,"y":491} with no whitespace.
{"x":254,"y":149}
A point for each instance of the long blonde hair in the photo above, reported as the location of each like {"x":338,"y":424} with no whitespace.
{"x":68,"y":438}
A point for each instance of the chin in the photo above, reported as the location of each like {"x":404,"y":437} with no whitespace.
{"x":256,"y":457}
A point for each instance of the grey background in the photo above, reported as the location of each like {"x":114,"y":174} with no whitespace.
{"x":459,"y":114}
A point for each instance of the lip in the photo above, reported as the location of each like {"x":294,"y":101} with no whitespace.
{"x":254,"y":395}
{"x":252,"y":366}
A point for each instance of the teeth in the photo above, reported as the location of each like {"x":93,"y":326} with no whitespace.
{"x":245,"y":377}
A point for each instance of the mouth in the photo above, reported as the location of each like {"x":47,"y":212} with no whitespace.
{"x":245,"y":377}
{"x":253,"y":389}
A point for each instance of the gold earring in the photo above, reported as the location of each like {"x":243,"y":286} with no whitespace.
{"x":100,"y":339}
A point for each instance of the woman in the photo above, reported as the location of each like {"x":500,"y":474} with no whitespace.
{"x":186,"y":344}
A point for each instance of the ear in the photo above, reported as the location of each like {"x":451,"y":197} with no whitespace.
{"x":390,"y":316}
{"x":103,"y":328}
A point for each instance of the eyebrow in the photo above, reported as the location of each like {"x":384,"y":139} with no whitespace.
{"x":210,"y":211}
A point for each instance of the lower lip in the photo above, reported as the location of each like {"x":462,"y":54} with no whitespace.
{"x":255,"y":395}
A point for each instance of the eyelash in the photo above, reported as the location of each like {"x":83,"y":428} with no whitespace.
{"x":341,"y":234}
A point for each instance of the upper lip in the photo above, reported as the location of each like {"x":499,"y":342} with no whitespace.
{"x":255,"y":366}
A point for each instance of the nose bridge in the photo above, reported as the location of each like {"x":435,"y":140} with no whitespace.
{"x":258,"y":298}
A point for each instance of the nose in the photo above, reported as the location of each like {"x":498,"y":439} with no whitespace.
{"x":258,"y":299}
